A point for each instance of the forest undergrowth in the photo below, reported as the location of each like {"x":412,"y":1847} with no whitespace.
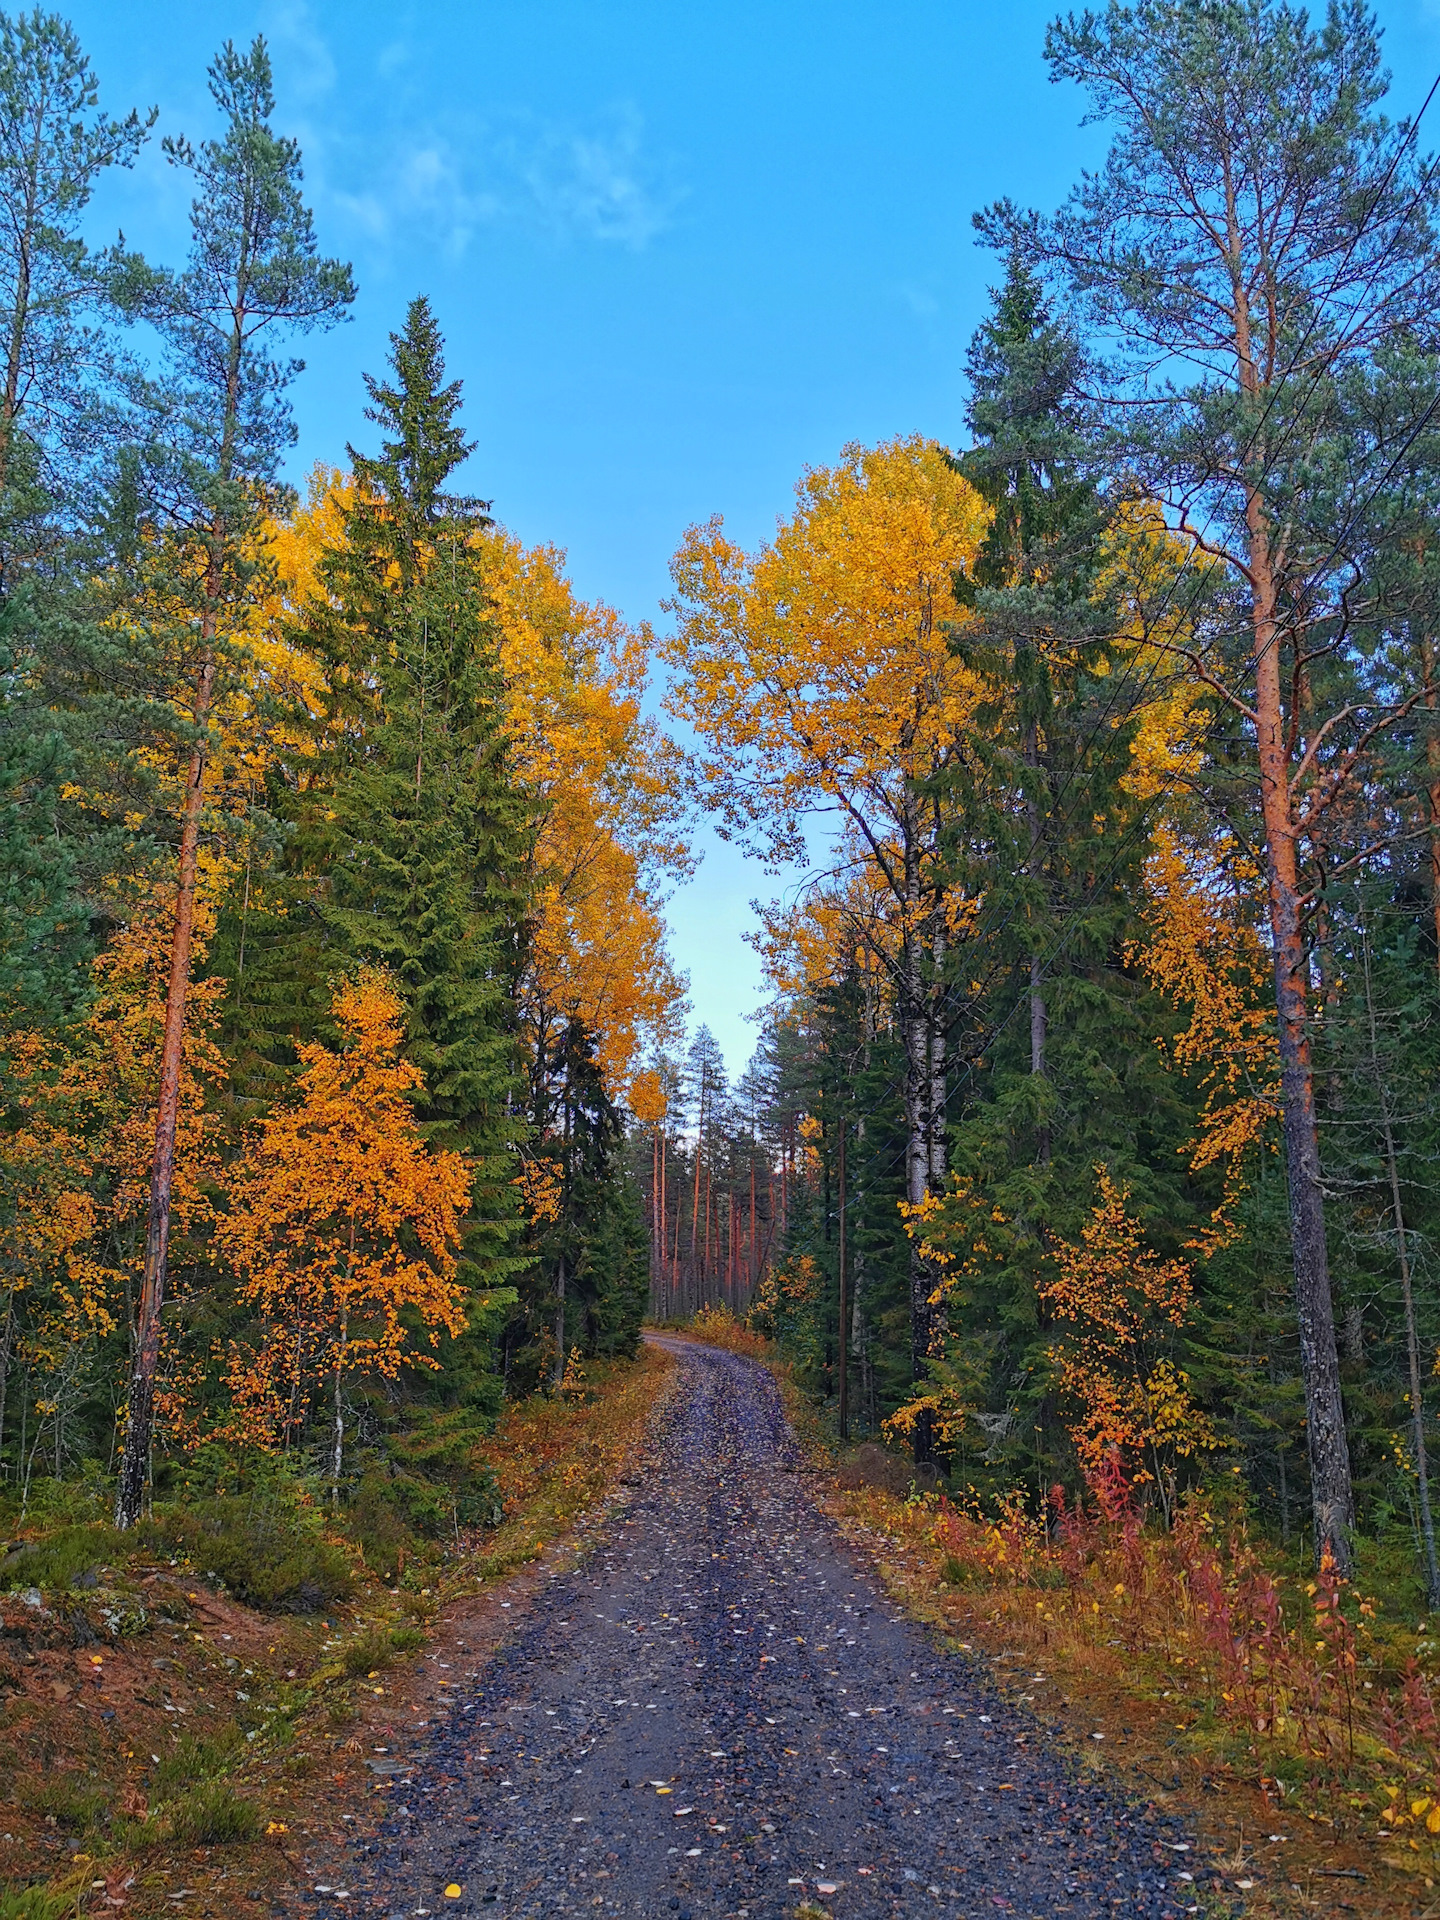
{"x":160,"y":1733}
{"x":1217,"y":1675}
{"x":1287,"y":1712}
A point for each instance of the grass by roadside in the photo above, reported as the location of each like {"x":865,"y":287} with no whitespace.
{"x":1284,"y":1720}
{"x":169,"y":1749}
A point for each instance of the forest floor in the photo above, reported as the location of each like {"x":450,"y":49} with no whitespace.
{"x":1105,"y":1711}
{"x":125,"y":1703}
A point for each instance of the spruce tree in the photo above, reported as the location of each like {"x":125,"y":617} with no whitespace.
{"x":1056,"y":1031}
{"x":592,"y":1260}
{"x":415,"y":820}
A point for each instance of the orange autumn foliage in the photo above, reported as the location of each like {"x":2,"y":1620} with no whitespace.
{"x":343,"y":1221}
{"x":1205,"y":953}
{"x":77,"y":1163}
{"x":1121,"y":1306}
{"x":649,"y":1101}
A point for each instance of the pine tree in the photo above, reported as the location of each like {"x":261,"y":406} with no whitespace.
{"x":215,"y":424}
{"x":1268,"y":309}
{"x":55,"y":145}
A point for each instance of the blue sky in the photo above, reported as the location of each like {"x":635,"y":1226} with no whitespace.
{"x":679,"y":252}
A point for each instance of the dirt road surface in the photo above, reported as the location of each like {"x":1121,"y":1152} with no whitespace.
{"x":719,"y":1712}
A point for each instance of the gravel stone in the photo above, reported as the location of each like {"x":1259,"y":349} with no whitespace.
{"x":720,"y":1711}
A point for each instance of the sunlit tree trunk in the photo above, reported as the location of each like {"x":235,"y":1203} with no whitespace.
{"x":140,"y":1412}
{"x":1331,"y":1494}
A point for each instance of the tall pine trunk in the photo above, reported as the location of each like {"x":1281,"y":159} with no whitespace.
{"x":140,"y":1414}
{"x":1331,"y":1496}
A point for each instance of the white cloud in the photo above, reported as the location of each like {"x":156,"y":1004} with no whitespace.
{"x":596,"y":184}
{"x":300,"y":49}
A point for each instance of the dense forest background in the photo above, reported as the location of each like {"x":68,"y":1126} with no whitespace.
{"x":333,"y":839}
{"x":1090,"y":1136}
{"x":1115,"y":983}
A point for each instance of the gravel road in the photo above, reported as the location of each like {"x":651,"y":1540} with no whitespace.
{"x":719,"y":1712}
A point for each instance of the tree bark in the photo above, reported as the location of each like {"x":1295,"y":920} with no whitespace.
{"x":1331,"y":1496}
{"x":925,"y":1095}
{"x":140,"y":1417}
{"x":750,"y":1274}
{"x":654,"y":1218}
{"x":695,"y":1208}
{"x":337,"y":1457}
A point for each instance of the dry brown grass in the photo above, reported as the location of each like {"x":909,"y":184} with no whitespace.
{"x":554,"y":1457}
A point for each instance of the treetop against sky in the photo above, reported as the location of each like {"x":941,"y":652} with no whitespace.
{"x":678,"y":254}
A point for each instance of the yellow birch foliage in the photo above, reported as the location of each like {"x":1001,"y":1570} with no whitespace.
{"x":606,"y":784}
{"x":819,"y":669}
{"x":343,"y":1221}
{"x":1123,"y":1305}
{"x":821,"y":676}
{"x":1204,"y":952}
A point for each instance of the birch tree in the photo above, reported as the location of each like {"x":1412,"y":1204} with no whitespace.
{"x":821,"y":677}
